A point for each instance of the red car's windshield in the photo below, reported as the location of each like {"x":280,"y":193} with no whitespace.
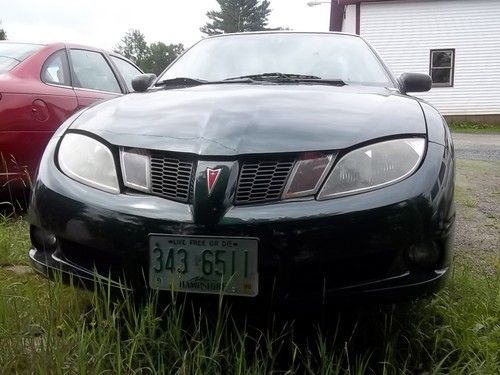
{"x":12,"y":54}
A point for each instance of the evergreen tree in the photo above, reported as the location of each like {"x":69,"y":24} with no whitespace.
{"x":237,"y":16}
{"x":3,"y":34}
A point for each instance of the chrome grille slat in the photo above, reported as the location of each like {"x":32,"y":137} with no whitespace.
{"x":262,"y":181}
{"x":171,"y":178}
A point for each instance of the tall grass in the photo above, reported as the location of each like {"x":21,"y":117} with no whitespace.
{"x":53,"y":329}
{"x":49,"y":328}
{"x":15,"y":183}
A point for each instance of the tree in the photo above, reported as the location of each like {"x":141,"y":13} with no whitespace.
{"x":153,"y":58}
{"x":3,"y":34}
{"x":133,"y":46}
{"x":237,"y":16}
{"x":160,"y":56}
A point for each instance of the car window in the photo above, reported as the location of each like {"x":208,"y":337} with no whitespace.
{"x":331,"y":56}
{"x":92,"y":71}
{"x":127,"y":70}
{"x":12,"y":54}
{"x":56,"y":69}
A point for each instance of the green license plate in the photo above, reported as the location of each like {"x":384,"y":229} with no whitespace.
{"x":201,"y":264}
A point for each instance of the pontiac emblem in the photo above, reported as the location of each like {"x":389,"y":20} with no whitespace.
{"x":212,"y":177}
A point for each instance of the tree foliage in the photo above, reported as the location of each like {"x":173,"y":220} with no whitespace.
{"x":133,"y":46}
{"x":153,"y":58}
{"x":237,"y":16}
{"x":3,"y":34}
{"x":160,"y":56}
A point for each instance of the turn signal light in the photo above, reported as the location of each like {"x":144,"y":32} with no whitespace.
{"x":307,"y":175}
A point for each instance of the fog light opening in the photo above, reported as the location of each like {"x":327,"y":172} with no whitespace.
{"x":43,"y":240}
{"x":423,"y":255}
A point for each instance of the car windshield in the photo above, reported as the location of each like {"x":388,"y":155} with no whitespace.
{"x":12,"y":54}
{"x":327,"y":56}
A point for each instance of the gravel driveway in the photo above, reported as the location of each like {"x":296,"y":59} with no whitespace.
{"x":477,"y":196}
{"x":477,"y":146}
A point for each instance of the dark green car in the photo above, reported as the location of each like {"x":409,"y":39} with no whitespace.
{"x":291,"y":165}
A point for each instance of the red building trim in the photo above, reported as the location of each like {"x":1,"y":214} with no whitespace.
{"x":348,"y":2}
{"x":336,"y":16}
{"x":358,"y":18}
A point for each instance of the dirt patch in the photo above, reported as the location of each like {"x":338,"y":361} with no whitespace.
{"x":477,"y":197}
{"x":19,"y":270}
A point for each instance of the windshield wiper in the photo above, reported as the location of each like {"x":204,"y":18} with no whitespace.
{"x":186,"y":81}
{"x":251,"y":78}
{"x":286,"y":77}
{"x":181,"y":81}
{"x":274,"y":76}
{"x":325,"y":81}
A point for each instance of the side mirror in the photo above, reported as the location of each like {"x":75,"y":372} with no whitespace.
{"x":415,"y":82}
{"x":142,"y":82}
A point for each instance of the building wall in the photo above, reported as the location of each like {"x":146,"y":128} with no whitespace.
{"x":404,"y":32}
{"x":349,"y":24}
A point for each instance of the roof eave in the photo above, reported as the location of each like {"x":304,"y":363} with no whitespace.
{"x":349,"y":2}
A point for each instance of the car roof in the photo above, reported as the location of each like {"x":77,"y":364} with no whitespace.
{"x":55,"y":45}
{"x":282,"y":32}
{"x":59,"y":45}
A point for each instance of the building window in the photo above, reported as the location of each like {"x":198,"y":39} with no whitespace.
{"x":442,"y":67}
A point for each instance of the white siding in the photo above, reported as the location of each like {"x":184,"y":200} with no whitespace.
{"x":404,"y":32}
{"x":349,"y":24}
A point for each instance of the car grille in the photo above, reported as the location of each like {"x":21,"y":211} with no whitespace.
{"x":171,"y":178}
{"x":262,"y":181}
{"x":259,"y":181}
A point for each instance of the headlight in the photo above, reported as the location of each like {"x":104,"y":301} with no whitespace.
{"x":135,"y":168}
{"x":88,"y":161}
{"x":374,"y":166}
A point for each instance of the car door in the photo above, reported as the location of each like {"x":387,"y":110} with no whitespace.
{"x":50,"y":102}
{"x":92,"y":76}
{"x":57,"y":101}
{"x":127,"y":70}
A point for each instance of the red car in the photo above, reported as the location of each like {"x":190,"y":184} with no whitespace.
{"x":41,"y":85}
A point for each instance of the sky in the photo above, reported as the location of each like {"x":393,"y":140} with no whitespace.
{"x":102,"y":23}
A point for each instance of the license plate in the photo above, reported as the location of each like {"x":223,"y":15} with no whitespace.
{"x":202,"y":264}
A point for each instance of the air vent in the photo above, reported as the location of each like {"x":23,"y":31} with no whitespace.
{"x":262,"y":181}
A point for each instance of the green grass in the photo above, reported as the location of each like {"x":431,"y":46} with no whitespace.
{"x":474,"y":127}
{"x":14,"y":241}
{"x":49,"y":328}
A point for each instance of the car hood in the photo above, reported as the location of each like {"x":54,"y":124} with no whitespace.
{"x":231,"y":119}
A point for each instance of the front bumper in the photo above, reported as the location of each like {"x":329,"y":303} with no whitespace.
{"x":357,"y":245}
